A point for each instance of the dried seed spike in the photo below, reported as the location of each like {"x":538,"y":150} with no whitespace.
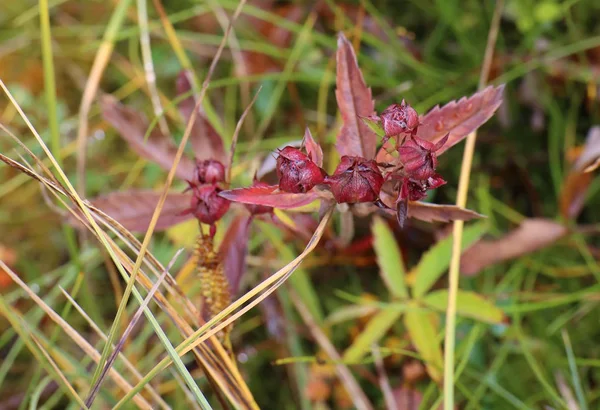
{"x":214,"y":285}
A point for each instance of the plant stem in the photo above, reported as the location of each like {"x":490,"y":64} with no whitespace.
{"x":457,"y":231}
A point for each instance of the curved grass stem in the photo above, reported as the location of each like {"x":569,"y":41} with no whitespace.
{"x":457,"y":231}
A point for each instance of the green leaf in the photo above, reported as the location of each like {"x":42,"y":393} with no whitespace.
{"x":375,"y":330}
{"x":436,"y":260}
{"x":468,"y":304}
{"x":423,"y":334}
{"x":389,"y":258}
{"x":374,"y":126}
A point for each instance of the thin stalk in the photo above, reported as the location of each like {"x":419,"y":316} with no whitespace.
{"x":49,"y":79}
{"x":149,"y":65}
{"x":89,"y":93}
{"x":457,"y":231}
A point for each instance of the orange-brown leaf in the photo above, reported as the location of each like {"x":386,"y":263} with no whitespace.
{"x":533,"y":234}
{"x":572,"y":194}
{"x":590,"y":157}
{"x":354,"y":101}
{"x":132,"y":126}
{"x":579,"y":178}
{"x":460,"y":118}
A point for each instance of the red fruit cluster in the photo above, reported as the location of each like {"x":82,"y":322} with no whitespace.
{"x":417,"y":157}
{"x":358,"y":179}
{"x":206,"y":204}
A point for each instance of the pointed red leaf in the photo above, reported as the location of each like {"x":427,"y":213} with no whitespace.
{"x":133,"y":209}
{"x":354,"y":101}
{"x":270,"y":196}
{"x":205,"y":140}
{"x":429,"y":212}
{"x":460,"y":118}
{"x":233,"y":250}
{"x":533,"y":234}
{"x":314,"y":150}
{"x":132,"y":126}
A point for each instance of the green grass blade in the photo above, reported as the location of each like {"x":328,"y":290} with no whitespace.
{"x":389,"y":259}
{"x":423,"y":334}
{"x":437,"y":259}
{"x":377,"y":327}
{"x":468,"y":304}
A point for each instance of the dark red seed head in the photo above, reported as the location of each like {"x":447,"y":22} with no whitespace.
{"x":209,"y":171}
{"x":415,"y":190}
{"x":297,"y":172}
{"x":206,"y":205}
{"x":399,"y":119}
{"x":419,"y":158}
{"x":355,"y":180}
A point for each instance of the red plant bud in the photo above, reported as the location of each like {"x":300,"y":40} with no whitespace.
{"x":414,"y":190}
{"x":419,"y":158}
{"x":297,"y":172}
{"x":206,"y":205}
{"x":399,"y":119}
{"x":356,"y":180}
{"x":210,"y":171}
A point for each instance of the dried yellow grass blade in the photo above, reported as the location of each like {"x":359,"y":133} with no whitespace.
{"x":252,"y":298}
{"x":76,"y":337}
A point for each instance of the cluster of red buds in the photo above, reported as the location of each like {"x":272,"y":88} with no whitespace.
{"x":206,"y":204}
{"x":357,"y":179}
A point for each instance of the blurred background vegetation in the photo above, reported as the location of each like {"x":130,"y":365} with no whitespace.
{"x":542,"y":354}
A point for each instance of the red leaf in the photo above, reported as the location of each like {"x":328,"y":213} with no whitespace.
{"x":533,"y":234}
{"x":459,"y":118}
{"x":314,"y":150}
{"x":429,"y":212}
{"x":205,"y":140}
{"x":354,"y":101}
{"x":233,"y":250}
{"x":132,"y":125}
{"x":134,"y":209}
{"x":270,"y":196}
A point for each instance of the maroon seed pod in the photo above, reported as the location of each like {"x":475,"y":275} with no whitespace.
{"x":356,"y":179}
{"x":206,"y":205}
{"x":297,"y":172}
{"x":209,"y":171}
{"x":399,"y":119}
{"x":419,"y":158}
